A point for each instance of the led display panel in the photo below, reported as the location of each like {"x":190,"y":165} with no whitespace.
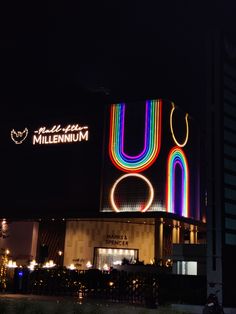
{"x":151,"y":160}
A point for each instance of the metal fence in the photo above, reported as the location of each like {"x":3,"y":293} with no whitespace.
{"x":144,"y":288}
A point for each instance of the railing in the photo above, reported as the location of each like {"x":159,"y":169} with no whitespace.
{"x":144,"y":288}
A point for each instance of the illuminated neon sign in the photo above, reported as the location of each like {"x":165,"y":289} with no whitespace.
{"x":172,"y":130}
{"x":18,"y":137}
{"x":55,"y":135}
{"x":158,"y":174}
{"x":152,"y":138}
{"x":58,"y":134}
{"x":177,"y":158}
{"x":151,"y":191}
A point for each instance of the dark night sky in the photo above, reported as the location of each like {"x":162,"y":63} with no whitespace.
{"x":69,"y":54}
{"x":71,"y":50}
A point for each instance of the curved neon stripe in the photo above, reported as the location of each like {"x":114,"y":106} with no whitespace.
{"x":177,"y":157}
{"x":172,"y":131}
{"x":152,"y":138}
{"x":151,"y":191}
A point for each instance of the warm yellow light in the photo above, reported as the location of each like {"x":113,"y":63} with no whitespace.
{"x":60,"y":253}
{"x":58,"y":134}
{"x":80,"y":296}
{"x":105,"y":267}
{"x":172,"y":131}
{"x":19,"y":136}
{"x":49,"y":264}
{"x":71,"y":267}
{"x":168,"y":262}
{"x":88,"y":264}
{"x":7,"y":252}
{"x":11,"y":264}
{"x":32,"y":265}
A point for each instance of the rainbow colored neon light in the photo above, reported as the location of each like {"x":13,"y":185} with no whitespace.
{"x":152,"y":138}
{"x":177,"y":157}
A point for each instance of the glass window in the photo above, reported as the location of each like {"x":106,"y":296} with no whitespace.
{"x":230,"y":150}
{"x":230,"y":194}
{"x":230,"y":164}
{"x":229,"y":69}
{"x":229,"y":136}
{"x":230,"y":208}
{"x":230,"y":83}
{"x":186,"y":268}
{"x":230,"y":123}
{"x":229,"y":96}
{"x":230,"y":238}
{"x":230,"y":109}
{"x":110,"y":257}
{"x":230,"y":179}
{"x":230,"y":223}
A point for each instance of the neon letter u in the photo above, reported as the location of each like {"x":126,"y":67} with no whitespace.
{"x":152,"y":138}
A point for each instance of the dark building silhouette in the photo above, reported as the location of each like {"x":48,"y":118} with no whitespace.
{"x":221,"y":168}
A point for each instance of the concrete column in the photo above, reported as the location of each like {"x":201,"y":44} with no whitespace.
{"x":159,"y":238}
{"x":181,"y":234}
{"x":176,"y":233}
{"x":193,"y":234}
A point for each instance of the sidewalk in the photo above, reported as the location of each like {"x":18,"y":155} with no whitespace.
{"x":31,"y":304}
{"x":67,"y":303}
{"x":23,"y":304}
{"x":197,"y":309}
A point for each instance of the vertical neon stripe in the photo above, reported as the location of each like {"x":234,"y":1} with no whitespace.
{"x":177,"y":157}
{"x":152,"y":138}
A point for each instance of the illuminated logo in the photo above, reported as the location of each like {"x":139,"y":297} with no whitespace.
{"x":19,"y":136}
{"x":58,"y":134}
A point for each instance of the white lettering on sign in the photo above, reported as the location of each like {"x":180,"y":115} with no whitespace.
{"x":58,"y":134}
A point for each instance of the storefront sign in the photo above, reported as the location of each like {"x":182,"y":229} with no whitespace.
{"x":57,"y":134}
{"x":78,"y":261}
{"x":54,"y":135}
{"x":117,"y":239}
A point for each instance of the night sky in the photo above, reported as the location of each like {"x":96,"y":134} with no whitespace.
{"x":73,"y":54}
{"x":71,"y":50}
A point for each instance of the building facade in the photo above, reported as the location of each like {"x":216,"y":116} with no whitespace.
{"x":221,"y":175}
{"x":126,"y":187}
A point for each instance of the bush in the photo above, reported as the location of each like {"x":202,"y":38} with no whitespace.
{"x":4,"y":307}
